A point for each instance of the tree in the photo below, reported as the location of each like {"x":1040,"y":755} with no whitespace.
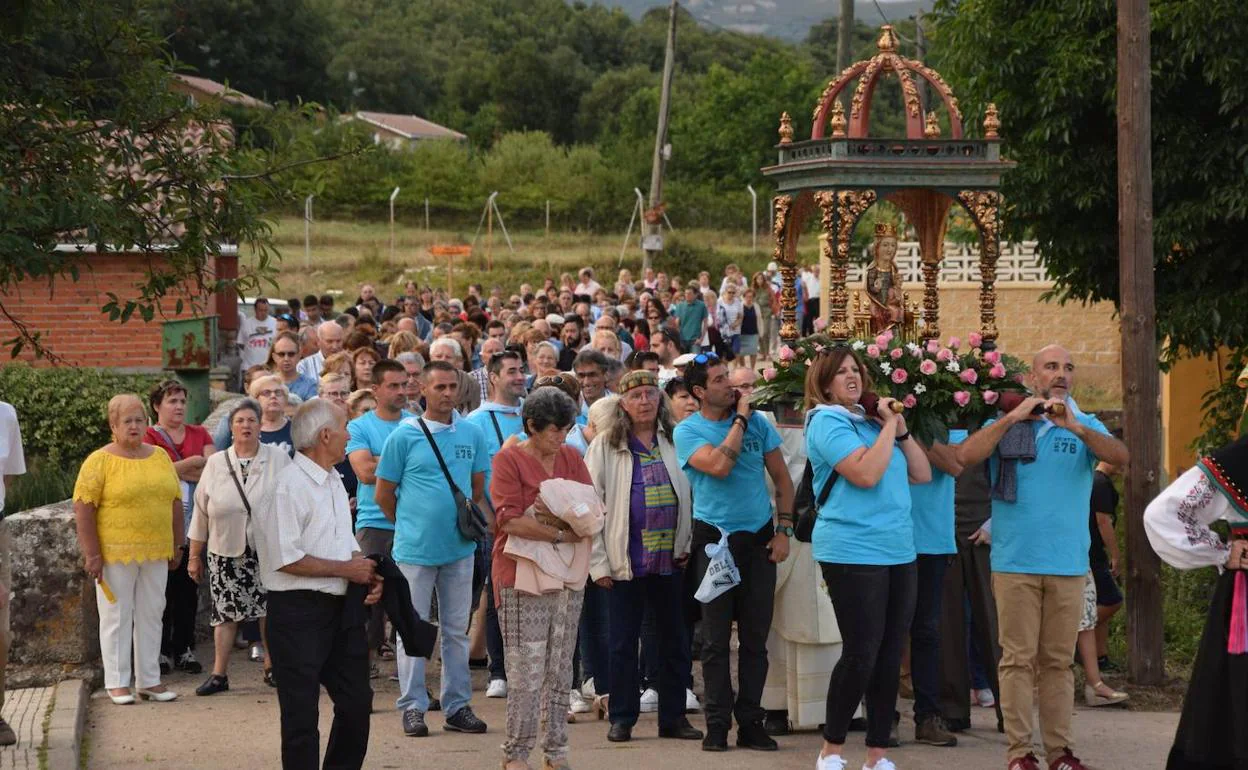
{"x":96,"y":150}
{"x":1049,"y":68}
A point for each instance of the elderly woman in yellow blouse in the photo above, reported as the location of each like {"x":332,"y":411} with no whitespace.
{"x":128,"y":508}
{"x":235,"y":483}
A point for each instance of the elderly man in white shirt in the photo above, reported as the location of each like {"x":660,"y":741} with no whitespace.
{"x":308,"y":556}
{"x":329,"y":337}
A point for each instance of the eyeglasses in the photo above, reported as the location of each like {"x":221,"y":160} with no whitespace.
{"x":336,"y":394}
{"x":705,"y":358}
{"x":271,"y":393}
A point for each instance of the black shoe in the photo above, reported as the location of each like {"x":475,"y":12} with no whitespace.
{"x":620,"y":733}
{"x":166,"y":665}
{"x":414,"y":724}
{"x":464,"y":721}
{"x":213,"y":685}
{"x":434,"y":703}
{"x":270,"y":678}
{"x":776,"y":723}
{"x":682,"y":730}
{"x":894,"y":734}
{"x":186,"y":662}
{"x":716,"y":739}
{"x":753,"y":736}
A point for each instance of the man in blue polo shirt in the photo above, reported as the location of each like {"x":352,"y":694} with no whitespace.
{"x":691,"y":318}
{"x":1040,"y":550}
{"x":726,"y":449}
{"x":373,"y":531}
{"x":498,"y":420}
{"x":414,"y":493}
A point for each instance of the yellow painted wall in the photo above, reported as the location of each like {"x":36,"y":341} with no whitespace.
{"x":1182,"y":390}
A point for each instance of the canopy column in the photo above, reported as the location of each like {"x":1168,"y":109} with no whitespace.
{"x":984,"y":206}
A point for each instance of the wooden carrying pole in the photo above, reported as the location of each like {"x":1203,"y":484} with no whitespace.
{"x":1140,"y":388}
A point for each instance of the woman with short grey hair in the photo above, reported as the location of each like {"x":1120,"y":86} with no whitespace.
{"x":234,"y":483}
{"x":539,"y":630}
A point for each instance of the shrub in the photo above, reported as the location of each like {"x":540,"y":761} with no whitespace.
{"x":63,"y":411}
{"x":43,"y":483}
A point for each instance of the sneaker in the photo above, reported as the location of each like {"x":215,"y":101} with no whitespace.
{"x":166,"y":664}
{"x":1028,"y":762}
{"x":753,"y":736}
{"x":577,"y":703}
{"x":650,"y":701}
{"x":186,"y":662}
{"x":691,"y":701}
{"x":464,"y":721}
{"x":984,"y":698}
{"x":933,"y":732}
{"x":496,"y":689}
{"x":1067,"y":761}
{"x":414,"y":724}
{"x":883,"y":763}
{"x":7,"y":736}
{"x":830,"y":762}
{"x":256,"y":655}
{"x":587,"y":689}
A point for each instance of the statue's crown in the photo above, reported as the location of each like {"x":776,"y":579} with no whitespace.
{"x":885,"y":230}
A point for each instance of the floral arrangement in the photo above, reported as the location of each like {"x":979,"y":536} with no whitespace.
{"x":941,"y":386}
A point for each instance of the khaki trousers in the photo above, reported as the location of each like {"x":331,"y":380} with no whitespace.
{"x":6,"y":580}
{"x":1038,"y":623}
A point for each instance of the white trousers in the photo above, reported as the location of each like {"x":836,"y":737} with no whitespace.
{"x":130,"y":627}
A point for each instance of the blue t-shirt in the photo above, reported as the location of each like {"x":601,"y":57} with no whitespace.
{"x":368,"y":431}
{"x":931,"y":506}
{"x":738,"y":503}
{"x":1045,"y":530}
{"x":858,"y":525}
{"x":425,"y":531}
{"x":304,"y":387}
{"x":508,"y":425}
{"x":690,"y":316}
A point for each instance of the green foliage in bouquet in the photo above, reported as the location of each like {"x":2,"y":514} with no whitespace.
{"x":958,"y":384}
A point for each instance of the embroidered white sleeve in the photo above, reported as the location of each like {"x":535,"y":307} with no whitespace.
{"x":1177,"y":522}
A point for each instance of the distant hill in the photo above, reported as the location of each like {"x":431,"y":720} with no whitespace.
{"x":785,"y":19}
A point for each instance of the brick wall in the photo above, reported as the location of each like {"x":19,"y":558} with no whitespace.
{"x":1026,"y":324}
{"x":68,"y":314}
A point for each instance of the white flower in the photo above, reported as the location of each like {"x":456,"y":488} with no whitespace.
{"x":912,"y":348}
{"x":920,"y":389}
{"x":858,"y":345}
{"x":886,"y":367}
{"x":953,"y":366}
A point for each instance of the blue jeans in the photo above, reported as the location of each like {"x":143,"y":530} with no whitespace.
{"x":454,"y":584}
{"x":925,"y":636}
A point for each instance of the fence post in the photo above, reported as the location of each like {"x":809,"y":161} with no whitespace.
{"x":753,"y":219}
{"x":307,"y":231}
{"x":393,"y":195}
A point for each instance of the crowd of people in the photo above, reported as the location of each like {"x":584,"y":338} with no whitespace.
{"x":393,"y":460}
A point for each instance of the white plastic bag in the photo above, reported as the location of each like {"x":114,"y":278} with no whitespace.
{"x":721,"y":573}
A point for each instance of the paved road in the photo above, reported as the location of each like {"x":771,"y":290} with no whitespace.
{"x":239,"y":729}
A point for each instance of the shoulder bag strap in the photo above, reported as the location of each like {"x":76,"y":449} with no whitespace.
{"x":832,"y":477}
{"x":497,"y":431}
{"x":238,"y":484}
{"x":438,"y":454}
{"x":168,"y":441}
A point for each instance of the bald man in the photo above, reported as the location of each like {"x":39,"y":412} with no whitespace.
{"x":329,"y":338}
{"x":1040,"y":541}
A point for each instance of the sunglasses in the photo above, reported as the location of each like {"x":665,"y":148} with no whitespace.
{"x":705,"y":358}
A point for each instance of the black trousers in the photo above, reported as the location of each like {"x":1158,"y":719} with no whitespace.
{"x":628,"y":602}
{"x":925,"y":635}
{"x":177,"y":632}
{"x":874,"y":606}
{"x":969,"y":577}
{"x":808,"y":318}
{"x":750,"y":605}
{"x":317,"y":640}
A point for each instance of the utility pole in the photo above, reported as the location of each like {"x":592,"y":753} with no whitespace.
{"x":845,"y":43}
{"x":1145,"y":662}
{"x":652,"y":239}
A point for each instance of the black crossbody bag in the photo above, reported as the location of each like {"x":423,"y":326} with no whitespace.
{"x":468,"y":516}
{"x":807,"y":504}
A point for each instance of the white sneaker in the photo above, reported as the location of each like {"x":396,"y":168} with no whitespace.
{"x":691,"y":701}
{"x":650,"y":701}
{"x":883,"y":763}
{"x":830,"y":762}
{"x":496,"y":689}
{"x":587,"y":689}
{"x":985,"y":698}
{"x":577,"y":703}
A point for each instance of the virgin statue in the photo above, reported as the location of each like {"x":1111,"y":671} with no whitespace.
{"x":884,"y":281}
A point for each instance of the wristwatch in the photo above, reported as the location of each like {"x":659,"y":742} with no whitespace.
{"x":785,"y":530}
{"x":558,"y":536}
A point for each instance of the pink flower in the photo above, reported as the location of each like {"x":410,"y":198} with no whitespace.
{"x":962,"y":398}
{"x":769,"y":374}
{"x":900,"y":375}
{"x":820,"y":324}
{"x":928,"y":367}
{"x":992,"y":357}
{"x":889,"y":334}
{"x":955,"y":343}
{"x":990,"y":396}
{"x":883,"y":340}
{"x":933,"y":346}
{"x":896,"y":354}
{"x":786,"y":353}
{"x":944,"y":355}
{"x":997,"y":371}
{"x":975,"y":339}
{"x":969,"y":376}
{"x":909,"y":401}
{"x":873,"y":351}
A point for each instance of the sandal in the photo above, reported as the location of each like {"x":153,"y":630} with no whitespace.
{"x":1093,"y":697}
{"x":270,"y":678}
